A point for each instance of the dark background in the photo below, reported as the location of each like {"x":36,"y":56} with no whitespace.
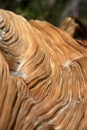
{"x":53,"y":11}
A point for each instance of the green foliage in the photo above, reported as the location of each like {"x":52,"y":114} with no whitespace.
{"x":30,"y":9}
{"x":84,"y":14}
{"x":39,"y":9}
{"x":36,"y":9}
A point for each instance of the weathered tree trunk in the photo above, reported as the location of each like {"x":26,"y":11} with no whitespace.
{"x":72,"y":8}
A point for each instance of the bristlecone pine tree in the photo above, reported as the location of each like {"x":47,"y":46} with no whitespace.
{"x":43,"y":76}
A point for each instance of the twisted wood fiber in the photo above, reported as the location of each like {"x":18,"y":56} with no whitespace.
{"x":76,"y":29}
{"x":43,"y":76}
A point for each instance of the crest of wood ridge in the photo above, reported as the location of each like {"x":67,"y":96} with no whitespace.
{"x":43,"y":75}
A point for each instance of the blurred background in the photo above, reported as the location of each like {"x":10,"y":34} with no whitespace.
{"x":53,"y":11}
